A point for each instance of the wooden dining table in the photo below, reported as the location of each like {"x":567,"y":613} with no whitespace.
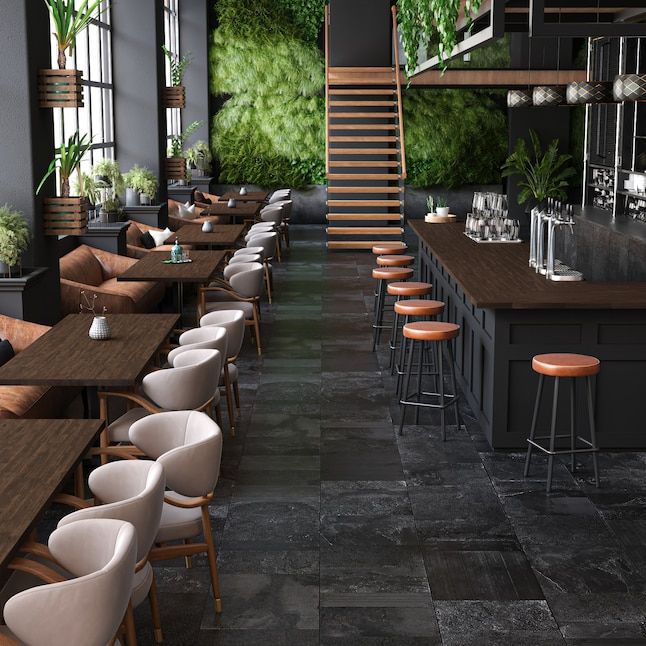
{"x":241,"y":211}
{"x":251,"y":196}
{"x":223,"y":235}
{"x":36,"y":455}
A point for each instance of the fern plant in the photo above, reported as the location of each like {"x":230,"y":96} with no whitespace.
{"x":178,"y":66}
{"x":543,"y":173}
{"x":67,"y":160}
{"x":69,"y":22}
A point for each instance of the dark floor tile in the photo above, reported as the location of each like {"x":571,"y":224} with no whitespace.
{"x":485,"y":575}
{"x":376,"y":499}
{"x":268,"y":561}
{"x":180,"y":618}
{"x":258,"y":637}
{"x":359,"y":458}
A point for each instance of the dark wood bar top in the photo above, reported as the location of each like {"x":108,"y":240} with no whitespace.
{"x":497,"y":276}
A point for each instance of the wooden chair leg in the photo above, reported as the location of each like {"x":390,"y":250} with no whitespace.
{"x":188,"y":560}
{"x":218,"y":415}
{"x":229,"y":398}
{"x":131,"y":633}
{"x":268,"y":283}
{"x":213,"y":562}
{"x":154,"y":611}
{"x":256,"y":326}
{"x":236,"y":394}
{"x":104,"y":439}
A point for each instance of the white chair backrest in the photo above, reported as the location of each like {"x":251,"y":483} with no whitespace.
{"x":267,"y":241}
{"x":233,"y":321}
{"x":86,"y":610}
{"x":286,"y":205}
{"x":248,"y":283}
{"x":280,"y":194}
{"x":188,"y":385}
{"x":189,"y":446}
{"x":245,"y":257}
{"x":201,"y":339}
{"x":130,"y":490}
{"x":249,"y":249}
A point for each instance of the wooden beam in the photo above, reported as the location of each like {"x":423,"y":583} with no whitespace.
{"x":495,"y":78}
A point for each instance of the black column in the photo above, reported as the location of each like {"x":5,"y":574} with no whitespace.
{"x":138,"y":68}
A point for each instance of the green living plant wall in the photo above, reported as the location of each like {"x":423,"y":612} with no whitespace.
{"x":267,"y":65}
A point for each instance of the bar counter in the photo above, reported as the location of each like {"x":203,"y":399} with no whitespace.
{"x":508,"y":314}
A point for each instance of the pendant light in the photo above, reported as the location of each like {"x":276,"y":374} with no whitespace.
{"x":629,"y":87}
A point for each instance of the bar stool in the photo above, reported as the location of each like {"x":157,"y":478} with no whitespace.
{"x":419,"y":333}
{"x":383,"y":275}
{"x":572,"y":366}
{"x":389,"y":248}
{"x":407,"y":309}
{"x":404,"y":290}
{"x":395,"y":261}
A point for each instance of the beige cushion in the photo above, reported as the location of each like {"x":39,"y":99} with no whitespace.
{"x":177,"y":523}
{"x":245,"y":308}
{"x":120,"y":428}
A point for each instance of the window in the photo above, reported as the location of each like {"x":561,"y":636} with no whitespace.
{"x":92,"y":55}
{"x":171,"y":40}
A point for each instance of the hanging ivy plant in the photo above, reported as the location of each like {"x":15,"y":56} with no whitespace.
{"x":424,"y":21}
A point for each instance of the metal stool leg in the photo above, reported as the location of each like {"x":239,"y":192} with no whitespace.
{"x":378,"y":313}
{"x":454,"y":385}
{"x":404,"y":396}
{"x":440,"y":370}
{"x":401,"y":361}
{"x":550,"y":460}
{"x":593,"y":430}
{"x":393,"y":340}
{"x":532,"y":431}
{"x":573,"y":423}
{"x":420,"y":367}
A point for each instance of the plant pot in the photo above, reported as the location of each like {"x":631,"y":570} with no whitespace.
{"x":176,"y":168}
{"x":60,"y":89}
{"x":100,"y":329}
{"x":132,"y":197}
{"x":9,"y":271}
{"x":207,"y":227}
{"x":174,"y":97}
{"x":144,"y":200}
{"x":442,"y":210}
{"x":65,"y":216}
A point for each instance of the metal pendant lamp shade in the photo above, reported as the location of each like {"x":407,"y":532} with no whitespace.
{"x":548,"y":95}
{"x":630,"y":87}
{"x":519,"y":99}
{"x":582,"y":92}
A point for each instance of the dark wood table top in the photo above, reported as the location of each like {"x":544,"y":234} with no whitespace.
{"x":152,"y":267}
{"x":251,"y":196}
{"x":35,"y":457}
{"x":222,"y":235}
{"x":66,"y":356}
{"x":497,"y":276}
{"x":240,"y":210}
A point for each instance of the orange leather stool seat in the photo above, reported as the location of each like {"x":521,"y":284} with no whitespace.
{"x":419,"y":308}
{"x":431,"y":331}
{"x":410,"y":289}
{"x":395,"y":261}
{"x":389,"y":248}
{"x":392,"y":273}
{"x":566,"y":365}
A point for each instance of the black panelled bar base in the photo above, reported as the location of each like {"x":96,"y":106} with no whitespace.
{"x":508,"y":314}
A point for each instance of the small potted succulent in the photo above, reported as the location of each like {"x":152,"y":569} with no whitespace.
{"x":14,"y":238}
{"x":199,"y":157}
{"x":141,"y":186}
{"x":176,"y":161}
{"x":441,"y":206}
{"x":175,"y":95}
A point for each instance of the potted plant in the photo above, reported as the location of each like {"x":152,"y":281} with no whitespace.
{"x":62,"y":88}
{"x":66,"y":215}
{"x":176,"y":162}
{"x":141,"y":186}
{"x":109,"y":181}
{"x":430,"y":205}
{"x":14,"y":238}
{"x":199,"y":157}
{"x":542,"y":174}
{"x":86,"y":187}
{"x":175,"y":95}
{"x":442,"y":206}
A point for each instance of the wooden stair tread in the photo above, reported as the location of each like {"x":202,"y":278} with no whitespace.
{"x":349,"y":231}
{"x":361,"y":81}
{"x":362,"y":126}
{"x":364,"y":189}
{"x":363,"y":164}
{"x":363,"y":216}
{"x":353,"y":203}
{"x":364,"y":151}
{"x":362,"y":92}
{"x":363,"y":138}
{"x":362,"y":115}
{"x":365,"y":176}
{"x":363,"y":104}
{"x":361,"y":70}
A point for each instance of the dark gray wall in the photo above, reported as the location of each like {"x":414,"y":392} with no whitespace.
{"x":360,"y":33}
{"x":138,"y":66}
{"x":27,"y":135}
{"x":194,"y":38}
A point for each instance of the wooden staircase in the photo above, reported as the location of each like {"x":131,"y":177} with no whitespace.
{"x":365,"y":155}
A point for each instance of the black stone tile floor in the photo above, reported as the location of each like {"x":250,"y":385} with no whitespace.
{"x":333,"y":530}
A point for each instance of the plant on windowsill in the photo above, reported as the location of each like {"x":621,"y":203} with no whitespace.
{"x":542,"y":174}
{"x":199,"y":157}
{"x":176,"y":161}
{"x":109,"y":181}
{"x":61,"y":88}
{"x":175,"y":95}
{"x":14,"y":239}
{"x":141,"y":186}
{"x":66,"y":215}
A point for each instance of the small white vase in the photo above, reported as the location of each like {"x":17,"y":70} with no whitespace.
{"x":243,"y":190}
{"x":442,"y":210}
{"x":207,"y":227}
{"x":231,"y":203}
{"x":100,"y":328}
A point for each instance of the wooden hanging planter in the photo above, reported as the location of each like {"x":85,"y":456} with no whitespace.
{"x":60,"y":89}
{"x":176,"y":168}
{"x":64,"y":216}
{"x":174,"y":97}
